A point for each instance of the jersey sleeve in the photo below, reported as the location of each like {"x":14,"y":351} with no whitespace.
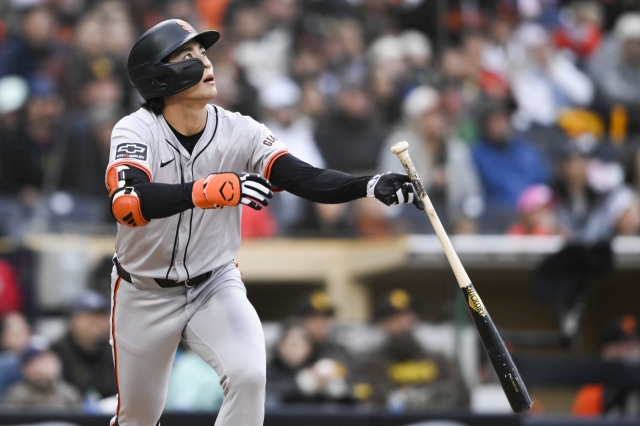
{"x":130,"y":145}
{"x":264,"y":148}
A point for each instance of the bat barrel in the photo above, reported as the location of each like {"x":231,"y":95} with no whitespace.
{"x":506,"y":370}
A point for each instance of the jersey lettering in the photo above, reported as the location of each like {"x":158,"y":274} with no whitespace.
{"x":136,"y":151}
{"x":270,"y":140}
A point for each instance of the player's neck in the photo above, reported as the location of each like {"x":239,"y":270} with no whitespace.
{"x":187,"y":118}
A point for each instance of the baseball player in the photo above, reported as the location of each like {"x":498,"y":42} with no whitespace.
{"x":179,"y":171}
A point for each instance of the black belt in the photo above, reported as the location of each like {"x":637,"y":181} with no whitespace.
{"x":165,"y":283}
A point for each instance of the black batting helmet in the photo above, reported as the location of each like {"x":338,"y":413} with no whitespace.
{"x":149,"y":71}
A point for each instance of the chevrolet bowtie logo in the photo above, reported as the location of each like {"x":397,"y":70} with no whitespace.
{"x":130,"y":148}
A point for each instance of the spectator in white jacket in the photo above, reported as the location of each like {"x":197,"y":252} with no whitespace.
{"x":443,"y":162}
{"x":543,"y":79}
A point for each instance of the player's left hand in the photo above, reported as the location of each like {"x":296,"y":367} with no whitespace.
{"x":392,"y":189}
{"x":256,"y":190}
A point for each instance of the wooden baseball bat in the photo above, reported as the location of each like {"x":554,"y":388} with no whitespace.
{"x":512,"y":384}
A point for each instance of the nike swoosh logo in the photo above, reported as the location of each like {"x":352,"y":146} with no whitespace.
{"x":164,"y":164}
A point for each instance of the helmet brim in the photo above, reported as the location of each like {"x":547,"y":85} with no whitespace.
{"x":207,"y":38}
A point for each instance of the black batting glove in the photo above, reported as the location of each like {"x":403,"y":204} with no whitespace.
{"x":393,"y":189}
{"x":256,"y":190}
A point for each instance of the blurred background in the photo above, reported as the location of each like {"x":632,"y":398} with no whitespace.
{"x":523,"y":118}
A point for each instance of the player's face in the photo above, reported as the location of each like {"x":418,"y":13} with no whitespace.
{"x":205,"y":90}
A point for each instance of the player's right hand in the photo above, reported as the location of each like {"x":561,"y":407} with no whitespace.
{"x":256,"y":190}
{"x":230,"y":189}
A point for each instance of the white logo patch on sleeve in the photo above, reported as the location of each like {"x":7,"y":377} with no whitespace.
{"x":136,"y":151}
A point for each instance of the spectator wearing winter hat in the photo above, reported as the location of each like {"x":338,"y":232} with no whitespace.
{"x":615,"y":67}
{"x":85,"y":351}
{"x":443,"y":162}
{"x":402,"y":375}
{"x":535,"y":207}
{"x":42,"y":388}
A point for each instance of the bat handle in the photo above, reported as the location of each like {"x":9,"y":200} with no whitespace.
{"x":401,"y":150}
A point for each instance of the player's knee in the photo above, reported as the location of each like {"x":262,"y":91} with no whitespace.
{"x":249,"y":379}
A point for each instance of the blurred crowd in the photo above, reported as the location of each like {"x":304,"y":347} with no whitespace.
{"x":522,"y":115}
{"x":311,"y":359}
{"x":308,"y":363}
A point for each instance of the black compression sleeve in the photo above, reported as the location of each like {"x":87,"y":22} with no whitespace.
{"x":160,"y":200}
{"x":318,"y":185}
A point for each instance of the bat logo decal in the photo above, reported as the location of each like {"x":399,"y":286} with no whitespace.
{"x":475,"y":302}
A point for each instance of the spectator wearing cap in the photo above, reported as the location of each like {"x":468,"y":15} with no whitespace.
{"x":281,"y":101}
{"x":620,"y":344}
{"x":537,"y":216}
{"x":443,"y":162}
{"x":316,"y":313}
{"x":85,"y":351}
{"x":615,"y":67}
{"x":14,"y":338}
{"x":589,"y":212}
{"x":402,"y":374}
{"x":507,"y":164}
{"x":42,"y":388}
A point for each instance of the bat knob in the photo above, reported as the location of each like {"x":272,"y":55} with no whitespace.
{"x":400,"y":147}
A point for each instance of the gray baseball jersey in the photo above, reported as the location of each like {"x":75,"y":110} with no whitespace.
{"x":195,"y":241}
{"x":215,"y":318}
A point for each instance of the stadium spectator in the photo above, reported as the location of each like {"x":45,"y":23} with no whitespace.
{"x":615,"y":67}
{"x":581,"y":31}
{"x":588,"y":214}
{"x":620,"y":344}
{"x":402,"y":375}
{"x":293,"y":377}
{"x":33,"y":51}
{"x":14,"y":338}
{"x":443,"y":162}
{"x":84,"y":350}
{"x":348,"y":137}
{"x":41,"y":389}
{"x":507,"y":165}
{"x":543,"y":80}
{"x":316,"y":314}
{"x":281,"y":100}
{"x":536,"y":209}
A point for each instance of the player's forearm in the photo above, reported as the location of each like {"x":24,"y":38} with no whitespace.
{"x":317,"y":185}
{"x":161,"y":200}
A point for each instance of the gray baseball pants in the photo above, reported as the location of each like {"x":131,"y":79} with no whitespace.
{"x":219,"y":324}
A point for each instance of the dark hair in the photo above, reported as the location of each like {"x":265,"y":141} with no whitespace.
{"x":154,"y":105}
